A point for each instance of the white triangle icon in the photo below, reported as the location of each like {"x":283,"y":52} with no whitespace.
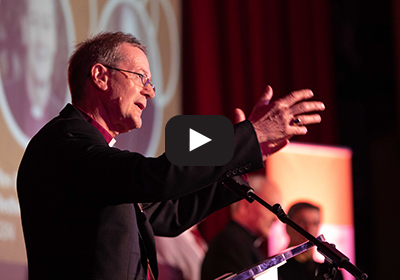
{"x":196,"y":139}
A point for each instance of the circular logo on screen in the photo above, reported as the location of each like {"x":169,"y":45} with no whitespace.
{"x":35,"y":38}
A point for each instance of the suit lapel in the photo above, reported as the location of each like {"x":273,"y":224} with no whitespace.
{"x":146,"y":236}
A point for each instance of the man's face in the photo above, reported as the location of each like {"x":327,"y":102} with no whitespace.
{"x":260,"y":217}
{"x":127,"y":97}
{"x":308,"y":219}
{"x":40,"y":38}
{"x":264,"y":221}
{"x":39,"y":34}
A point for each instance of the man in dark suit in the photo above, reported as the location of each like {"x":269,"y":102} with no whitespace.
{"x":303,"y":266}
{"x":238,"y":245}
{"x":90,"y":211}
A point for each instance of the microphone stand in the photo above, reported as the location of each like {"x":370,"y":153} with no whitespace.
{"x":333,"y":257}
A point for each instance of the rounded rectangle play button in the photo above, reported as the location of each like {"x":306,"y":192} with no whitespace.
{"x":192,"y":140}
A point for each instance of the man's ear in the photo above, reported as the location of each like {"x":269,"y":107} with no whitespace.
{"x":100,"y":76}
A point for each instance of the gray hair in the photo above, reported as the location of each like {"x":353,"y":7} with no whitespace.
{"x":102,"y":48}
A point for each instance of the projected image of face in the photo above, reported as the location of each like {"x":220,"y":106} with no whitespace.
{"x":39,"y":36}
{"x":35,"y":42}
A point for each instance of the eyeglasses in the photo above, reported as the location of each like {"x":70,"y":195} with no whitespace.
{"x":143,"y":78}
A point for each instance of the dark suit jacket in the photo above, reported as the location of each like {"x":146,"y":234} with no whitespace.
{"x":293,"y":269}
{"x":79,"y":198}
{"x":232,"y":250}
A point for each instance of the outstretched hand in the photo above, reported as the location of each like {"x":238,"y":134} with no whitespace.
{"x":267,"y":148}
{"x":276,"y":122}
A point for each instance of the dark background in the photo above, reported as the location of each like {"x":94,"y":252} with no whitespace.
{"x":345,"y":51}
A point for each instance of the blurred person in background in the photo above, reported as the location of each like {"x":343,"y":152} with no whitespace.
{"x":180,"y":257}
{"x":238,"y":245}
{"x":303,"y":266}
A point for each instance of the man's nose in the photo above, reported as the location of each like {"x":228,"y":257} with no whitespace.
{"x":148,"y":92}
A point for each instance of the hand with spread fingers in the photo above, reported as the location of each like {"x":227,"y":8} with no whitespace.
{"x":276,"y":122}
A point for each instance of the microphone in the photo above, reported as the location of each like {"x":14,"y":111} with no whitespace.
{"x":239,"y":185}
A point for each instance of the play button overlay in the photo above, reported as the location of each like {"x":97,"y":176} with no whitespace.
{"x":196,"y":139}
{"x":199,"y":140}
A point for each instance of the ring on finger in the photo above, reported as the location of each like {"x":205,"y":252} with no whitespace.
{"x":296,"y":121}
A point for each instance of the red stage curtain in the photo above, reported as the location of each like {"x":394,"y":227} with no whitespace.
{"x":232,"y":49}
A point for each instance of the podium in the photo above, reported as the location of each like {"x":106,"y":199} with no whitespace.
{"x":268,"y":269}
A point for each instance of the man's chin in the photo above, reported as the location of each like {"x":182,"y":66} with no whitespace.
{"x":133,"y":125}
{"x":137,"y":123}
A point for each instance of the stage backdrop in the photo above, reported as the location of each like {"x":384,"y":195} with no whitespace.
{"x":320,"y":175}
{"x":36,"y":39}
{"x":232,"y":49}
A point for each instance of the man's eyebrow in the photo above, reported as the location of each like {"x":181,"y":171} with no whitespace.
{"x":143,"y":72}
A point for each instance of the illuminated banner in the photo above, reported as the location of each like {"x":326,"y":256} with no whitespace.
{"x":320,"y":175}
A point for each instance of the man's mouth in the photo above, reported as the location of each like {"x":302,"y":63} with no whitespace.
{"x":140,"y":105}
